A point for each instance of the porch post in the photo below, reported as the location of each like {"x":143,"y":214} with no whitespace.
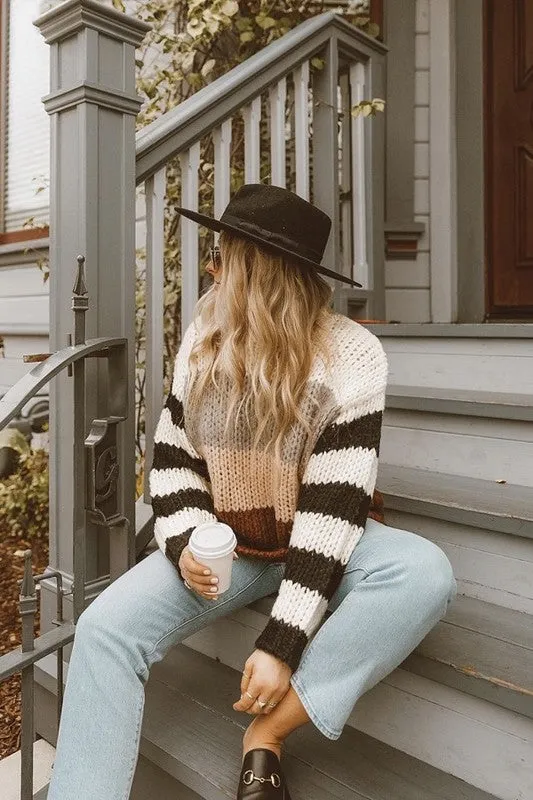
{"x":92,"y":106}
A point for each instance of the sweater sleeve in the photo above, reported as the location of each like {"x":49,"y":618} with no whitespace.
{"x":335,"y":495}
{"x":179,"y":482}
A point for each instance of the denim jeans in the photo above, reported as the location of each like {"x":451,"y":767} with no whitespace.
{"x":395,"y":588}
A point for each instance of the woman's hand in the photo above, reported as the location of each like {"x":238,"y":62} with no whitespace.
{"x":269,"y":680}
{"x":199,"y":576}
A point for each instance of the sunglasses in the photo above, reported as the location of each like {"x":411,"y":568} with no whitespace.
{"x":214,"y":254}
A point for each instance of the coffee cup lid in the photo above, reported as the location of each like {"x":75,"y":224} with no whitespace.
{"x":212,"y":540}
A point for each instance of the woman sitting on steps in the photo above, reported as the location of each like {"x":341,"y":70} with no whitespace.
{"x":272,"y":425}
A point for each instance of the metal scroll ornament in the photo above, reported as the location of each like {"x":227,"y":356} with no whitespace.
{"x":103,"y":472}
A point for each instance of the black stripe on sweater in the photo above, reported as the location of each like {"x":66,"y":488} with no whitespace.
{"x":174,"y":546}
{"x":167,"y":504}
{"x":175,"y":407}
{"x":313,"y":570}
{"x":171,"y":456}
{"x":283,"y":641}
{"x":362,"y":432}
{"x":339,"y":500}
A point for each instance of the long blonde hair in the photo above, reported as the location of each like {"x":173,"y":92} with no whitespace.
{"x":261,"y":329}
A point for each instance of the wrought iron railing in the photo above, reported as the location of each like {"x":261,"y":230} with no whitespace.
{"x":96,"y":458}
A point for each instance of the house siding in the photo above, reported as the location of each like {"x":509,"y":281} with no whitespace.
{"x":408,"y":282}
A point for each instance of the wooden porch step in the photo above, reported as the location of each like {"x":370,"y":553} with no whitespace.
{"x":467,"y":402}
{"x":192,"y":732}
{"x":478,"y":648}
{"x":481,"y":649}
{"x":504,"y":508}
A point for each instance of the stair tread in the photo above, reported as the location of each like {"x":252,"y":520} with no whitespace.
{"x":472,"y":396}
{"x":478,"y":647}
{"x":482,"y":649}
{"x":503,"y":507}
{"x":201,"y":744}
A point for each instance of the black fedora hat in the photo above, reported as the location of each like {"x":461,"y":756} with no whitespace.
{"x":278,"y":219}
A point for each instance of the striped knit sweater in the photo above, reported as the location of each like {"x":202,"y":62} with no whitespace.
{"x":312,"y":517}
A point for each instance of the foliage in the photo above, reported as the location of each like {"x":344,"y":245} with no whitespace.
{"x":367,"y":108}
{"x":24,"y":498}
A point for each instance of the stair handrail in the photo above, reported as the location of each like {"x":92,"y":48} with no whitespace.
{"x":178,"y":128}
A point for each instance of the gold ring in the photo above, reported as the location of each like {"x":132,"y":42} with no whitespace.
{"x":245,"y":674}
{"x":250,"y":696}
{"x":260,"y":704}
{"x":272,"y":704}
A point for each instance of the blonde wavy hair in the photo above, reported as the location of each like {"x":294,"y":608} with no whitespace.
{"x":260,"y":329}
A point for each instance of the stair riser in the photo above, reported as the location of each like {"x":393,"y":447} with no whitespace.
{"x":489,"y":566}
{"x":489,"y":365}
{"x":483,"y":744}
{"x":487,"y":449}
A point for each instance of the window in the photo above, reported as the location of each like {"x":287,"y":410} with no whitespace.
{"x":25,"y":136}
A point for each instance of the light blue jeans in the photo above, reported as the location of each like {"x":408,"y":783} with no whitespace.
{"x":395,"y":588}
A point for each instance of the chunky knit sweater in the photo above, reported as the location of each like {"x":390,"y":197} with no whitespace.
{"x":312,"y":516}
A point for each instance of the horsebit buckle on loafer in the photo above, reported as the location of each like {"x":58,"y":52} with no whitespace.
{"x":273,"y":778}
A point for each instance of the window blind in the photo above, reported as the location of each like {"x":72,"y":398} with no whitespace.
{"x":27,"y":123}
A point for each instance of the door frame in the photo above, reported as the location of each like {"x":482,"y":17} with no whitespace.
{"x":471,"y":166}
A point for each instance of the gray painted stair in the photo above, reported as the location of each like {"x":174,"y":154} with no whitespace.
{"x":478,"y":648}
{"x":504,"y":508}
{"x":481,"y":649}
{"x":192,"y":732}
{"x":471,"y":403}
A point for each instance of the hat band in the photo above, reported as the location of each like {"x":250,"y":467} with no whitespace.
{"x":273,"y":236}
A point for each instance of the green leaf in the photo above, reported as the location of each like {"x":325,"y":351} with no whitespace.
{"x":208,"y":67}
{"x":188,"y":61}
{"x":317,"y":63}
{"x":230,"y":8}
{"x":213,"y":26}
{"x":247,"y":36}
{"x":265,"y":22}
{"x":243,"y":23}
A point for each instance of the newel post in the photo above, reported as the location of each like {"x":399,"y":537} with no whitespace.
{"x":92,"y":106}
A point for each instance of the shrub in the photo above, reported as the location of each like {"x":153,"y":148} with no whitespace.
{"x":24,"y":498}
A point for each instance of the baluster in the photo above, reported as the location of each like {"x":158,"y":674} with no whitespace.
{"x":252,"y":141}
{"x":155,"y":279}
{"x":357,"y":84}
{"x":222,"y":148}
{"x":190,"y":164}
{"x":301,"y":128}
{"x":326,"y":155}
{"x":28,"y":609}
{"x":346,"y":174}
{"x":277,"y":95}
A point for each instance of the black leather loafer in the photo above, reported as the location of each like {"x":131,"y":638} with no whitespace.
{"x":261,"y":777}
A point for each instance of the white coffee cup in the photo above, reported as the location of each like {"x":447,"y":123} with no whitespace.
{"x":213,"y":544}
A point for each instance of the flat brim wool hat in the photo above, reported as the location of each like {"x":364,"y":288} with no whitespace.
{"x":276,"y":219}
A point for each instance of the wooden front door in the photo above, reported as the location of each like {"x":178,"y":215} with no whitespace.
{"x":509,"y":158}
